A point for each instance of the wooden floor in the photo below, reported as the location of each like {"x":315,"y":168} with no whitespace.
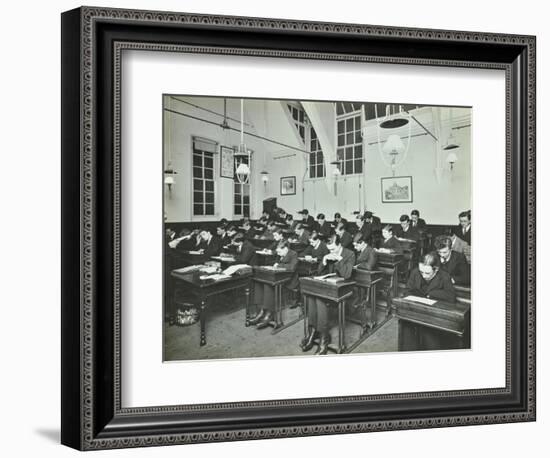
{"x":227,"y":337}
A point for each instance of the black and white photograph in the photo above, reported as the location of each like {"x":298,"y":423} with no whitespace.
{"x":317,"y":245}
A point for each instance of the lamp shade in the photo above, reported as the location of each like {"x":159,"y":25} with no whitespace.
{"x":393,"y":144}
{"x":452,"y":158}
{"x":169,"y":180}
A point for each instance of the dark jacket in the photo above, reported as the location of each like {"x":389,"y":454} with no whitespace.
{"x":391,"y":244}
{"x":411,"y":234}
{"x":290,"y":263}
{"x":246,"y":253}
{"x":344,"y":267}
{"x":367,"y":259}
{"x":325,"y":230}
{"x":420,"y":224}
{"x":439,"y":287}
{"x":458,"y":268}
{"x":318,"y":252}
{"x":346,"y":239}
{"x":467,"y":237}
{"x":211,"y":248}
{"x":304,"y":238}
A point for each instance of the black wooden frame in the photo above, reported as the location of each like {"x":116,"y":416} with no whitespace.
{"x":395,"y":202}
{"x":281,"y":186}
{"x":92,"y":40}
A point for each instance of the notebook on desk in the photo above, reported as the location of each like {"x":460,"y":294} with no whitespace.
{"x":422,"y":300}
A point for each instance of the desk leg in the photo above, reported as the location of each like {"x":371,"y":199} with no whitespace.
{"x":203,"y":323}
{"x":247,"y":306}
{"x":306,"y":321}
{"x":341,"y":323}
{"x":372,"y":295}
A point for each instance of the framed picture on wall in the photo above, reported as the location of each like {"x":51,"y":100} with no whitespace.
{"x":288,"y":186}
{"x":227,"y":162}
{"x":396,"y":189}
{"x":117,"y":233}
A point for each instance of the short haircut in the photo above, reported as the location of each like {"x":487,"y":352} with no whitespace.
{"x":430,"y":259}
{"x":360,"y":217}
{"x":238,"y":238}
{"x":289,"y":216}
{"x":283,"y":244}
{"x":321,"y":216}
{"x":337,"y":215}
{"x":467,"y":214}
{"x":388,"y":227}
{"x":442,"y":241}
{"x":415,"y":212}
{"x":404,"y":218}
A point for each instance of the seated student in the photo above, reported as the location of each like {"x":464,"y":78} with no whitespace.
{"x":322,"y":227}
{"x":183,"y":240}
{"x":464,"y":228}
{"x":406,"y":231}
{"x":457,"y":244}
{"x":345,"y":238}
{"x":389,"y":242}
{"x":244,"y":250}
{"x":367,"y":257}
{"x":340,"y":261}
{"x":338,"y":219}
{"x":417,"y":222}
{"x":224,"y":222}
{"x":363,"y":230}
{"x":248,"y":232}
{"x":307,"y":219}
{"x":290,"y":222}
{"x":281,"y":215}
{"x":452,"y":262}
{"x":224,"y":237}
{"x":277,"y":237}
{"x":268,"y":233}
{"x":264,"y":294}
{"x":317,"y":249}
{"x":302,"y":236}
{"x":210,"y":245}
{"x":430,"y":281}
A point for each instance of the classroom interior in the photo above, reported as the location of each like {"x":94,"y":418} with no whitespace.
{"x":239,"y":176}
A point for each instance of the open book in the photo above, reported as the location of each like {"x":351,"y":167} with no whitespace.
{"x":329,"y":278}
{"x":232,"y":269}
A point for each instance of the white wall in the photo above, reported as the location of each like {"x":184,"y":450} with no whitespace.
{"x":30,"y":327}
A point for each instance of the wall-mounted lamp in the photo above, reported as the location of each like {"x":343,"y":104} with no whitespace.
{"x":452,"y":158}
{"x":169,"y":178}
{"x":265,"y":177}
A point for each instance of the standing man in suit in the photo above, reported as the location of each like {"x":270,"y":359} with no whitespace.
{"x":430,"y":281}
{"x":209,"y":245}
{"x":367,"y":257}
{"x":307,"y":219}
{"x":340,"y":260}
{"x":464,"y":229}
{"x":373,"y":221}
{"x":452,"y":262}
{"x":417,"y":222}
{"x":322,"y":227}
{"x":265,"y":294}
{"x":406,"y":231}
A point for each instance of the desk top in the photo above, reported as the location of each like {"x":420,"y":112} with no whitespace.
{"x":194,"y":278}
{"x":366,"y":277}
{"x":328,"y":290}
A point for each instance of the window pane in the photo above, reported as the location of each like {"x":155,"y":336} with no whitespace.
{"x":197,"y":209}
{"x":312,"y":172}
{"x":209,"y":185}
{"x":358,"y":151}
{"x":320,"y":170}
{"x":349,"y":153}
{"x":209,"y":197}
{"x":237,"y":209}
{"x":197,"y":197}
{"x":294,"y":113}
{"x":358,"y":136}
{"x":246,"y":210}
{"x":349,"y":124}
{"x":301,"y":116}
{"x":347,"y":107}
{"x":357,"y":122}
{"x":238,"y":199}
{"x":312,"y":159}
{"x":197,"y":160}
{"x":340,"y":154}
{"x":237,"y":188}
{"x":197,"y":185}
{"x":339,"y":108}
{"x":209,"y":209}
{"x":341,"y":140}
{"x":246,"y":200}
{"x":209,"y":162}
{"x":209,"y":174}
{"x":358,"y":166}
{"x":197,"y":172}
{"x":341,"y":127}
{"x":349,"y":138}
{"x":349,"y":167}
{"x":302,"y":132}
{"x":246,"y":189}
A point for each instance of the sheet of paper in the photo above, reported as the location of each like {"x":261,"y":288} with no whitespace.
{"x":422,"y":300}
{"x":232,"y":269}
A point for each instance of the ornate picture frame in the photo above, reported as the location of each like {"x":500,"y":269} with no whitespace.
{"x":93,"y":40}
